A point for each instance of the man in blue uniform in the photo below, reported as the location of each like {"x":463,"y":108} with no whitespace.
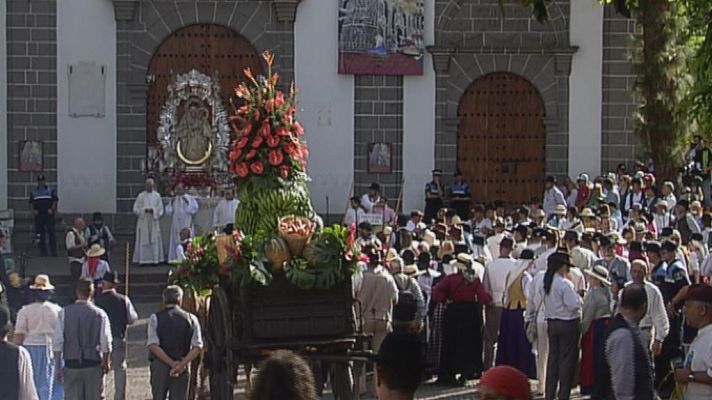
{"x":43,"y":201}
{"x":433,"y":197}
{"x":460,"y":196}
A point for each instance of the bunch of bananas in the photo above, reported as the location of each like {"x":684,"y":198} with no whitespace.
{"x":302,"y":276}
{"x":262,"y":210}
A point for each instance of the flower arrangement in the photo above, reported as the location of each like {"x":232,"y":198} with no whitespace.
{"x":202,"y":269}
{"x":269,"y":140}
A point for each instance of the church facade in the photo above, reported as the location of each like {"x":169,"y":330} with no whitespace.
{"x":503,"y":98}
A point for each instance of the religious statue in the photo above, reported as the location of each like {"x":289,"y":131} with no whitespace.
{"x":194,"y":145}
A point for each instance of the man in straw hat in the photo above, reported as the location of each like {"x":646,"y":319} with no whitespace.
{"x":16,"y":377}
{"x":82,"y":339}
{"x":595,"y":317}
{"x":464,"y":295}
{"x":697,"y":370}
{"x":121,"y":313}
{"x":35,"y":325}
{"x":377,"y":293}
{"x":494,"y":281}
{"x":410,"y":296}
{"x":94,"y":268}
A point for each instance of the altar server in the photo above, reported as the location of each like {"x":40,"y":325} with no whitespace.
{"x":148,"y":207}
{"x":183,"y":208}
{"x":224,"y":214}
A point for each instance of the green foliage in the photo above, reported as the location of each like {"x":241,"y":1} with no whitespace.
{"x":252,"y":266}
{"x":261,"y":207}
{"x":200,"y":270}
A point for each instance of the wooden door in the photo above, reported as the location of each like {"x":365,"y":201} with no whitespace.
{"x":211,"y":49}
{"x":500,"y":143}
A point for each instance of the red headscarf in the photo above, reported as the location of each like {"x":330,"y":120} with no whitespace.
{"x":92,"y":263}
{"x":508,"y":381}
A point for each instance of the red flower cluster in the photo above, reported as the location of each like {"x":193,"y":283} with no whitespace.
{"x":269,"y":139}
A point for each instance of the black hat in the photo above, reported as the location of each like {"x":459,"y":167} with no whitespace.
{"x":549,"y":235}
{"x":538,"y":232}
{"x":375,"y":186}
{"x":5,"y":321}
{"x":365,"y":226}
{"x":111,"y":277}
{"x":462,"y":248}
{"x":551,"y":179}
{"x":523,"y":210}
{"x":560,"y":258}
{"x":697,"y":237}
{"x":572,"y":235}
{"x":527,"y":254}
{"x":652,"y":247}
{"x":401,"y":350}
{"x":684,"y":203}
{"x":478,"y":240}
{"x":666,"y":232}
{"x":355,"y":198}
{"x":522,"y":229}
{"x":636,"y":246}
{"x":669,"y":246}
{"x":97,"y":216}
{"x":424,"y":258}
{"x":40,"y":178}
{"x":498,"y":203}
{"x":605,"y":241}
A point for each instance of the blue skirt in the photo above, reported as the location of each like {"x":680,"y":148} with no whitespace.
{"x":43,"y":370}
{"x":513,"y":348}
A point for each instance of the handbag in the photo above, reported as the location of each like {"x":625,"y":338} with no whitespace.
{"x":530,"y":326}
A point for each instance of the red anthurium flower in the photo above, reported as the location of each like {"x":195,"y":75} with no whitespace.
{"x":273,"y":141}
{"x":284,"y":171}
{"x":275,"y":78}
{"x":279,"y":99}
{"x":269,"y":105}
{"x":275,"y":157}
{"x":247,"y":129}
{"x":242,"y":142}
{"x":265,"y":129}
{"x":241,"y":170}
{"x":251,"y":155}
{"x":297,"y":129}
{"x":235,"y":154}
{"x":304,"y":151}
{"x":282,"y":131}
{"x":257,"y":142}
{"x":290,"y":148}
{"x":257,"y":167}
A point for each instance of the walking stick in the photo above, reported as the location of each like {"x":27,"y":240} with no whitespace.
{"x":127,"y":267}
{"x":400,"y":198}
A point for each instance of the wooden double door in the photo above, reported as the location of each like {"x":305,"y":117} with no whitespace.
{"x":212,"y":49}
{"x":501,"y":138}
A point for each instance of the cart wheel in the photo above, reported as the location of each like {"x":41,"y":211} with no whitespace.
{"x":219,"y":331}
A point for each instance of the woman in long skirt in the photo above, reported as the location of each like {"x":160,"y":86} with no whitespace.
{"x":513,"y":347}
{"x":596,"y":316}
{"x":461,"y":292}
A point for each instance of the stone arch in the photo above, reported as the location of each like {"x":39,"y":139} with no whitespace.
{"x":558,"y":18}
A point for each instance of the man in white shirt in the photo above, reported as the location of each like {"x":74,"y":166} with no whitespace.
{"x":75,"y":242}
{"x":17,"y":384}
{"x":183,"y":208}
{"x":552,"y":197}
{"x":494,"y":281}
{"x":415,"y":224}
{"x":224,"y":213}
{"x":655,"y":324}
{"x":370,"y":199}
{"x":493,"y":241}
{"x":354,"y":214}
{"x":148,"y":207}
{"x":697,"y":371}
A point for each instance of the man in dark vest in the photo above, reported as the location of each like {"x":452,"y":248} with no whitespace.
{"x":82,"y":339}
{"x":174,"y":340}
{"x":626,"y":352}
{"x":16,"y":382}
{"x":121,"y":313}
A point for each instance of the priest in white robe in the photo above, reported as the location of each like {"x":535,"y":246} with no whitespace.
{"x":224,"y":213}
{"x":183,"y":208}
{"x":148,"y":207}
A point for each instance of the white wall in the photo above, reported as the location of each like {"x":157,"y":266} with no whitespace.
{"x":419,"y":124}
{"x":86,"y":146}
{"x":585,"y":97}
{"x":3,"y":108}
{"x":326,"y":104}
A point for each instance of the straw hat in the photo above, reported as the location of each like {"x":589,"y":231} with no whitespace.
{"x":391,"y":254}
{"x":587,"y":213}
{"x":455,"y":220}
{"x":560,"y":209}
{"x":42,"y":283}
{"x":95,"y":250}
{"x":616,"y":238}
{"x":447,"y":248}
{"x":462,"y":261}
{"x":430,"y":239}
{"x":599,"y":272}
{"x":412,"y":270}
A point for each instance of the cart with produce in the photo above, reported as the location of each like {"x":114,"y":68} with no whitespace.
{"x":281,"y":280}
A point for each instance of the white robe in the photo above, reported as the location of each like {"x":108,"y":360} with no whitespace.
{"x":224,"y":213}
{"x":183,"y":209}
{"x":148,"y":248}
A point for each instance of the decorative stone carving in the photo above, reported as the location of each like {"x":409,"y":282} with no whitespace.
{"x":124,"y":9}
{"x":286,"y":10}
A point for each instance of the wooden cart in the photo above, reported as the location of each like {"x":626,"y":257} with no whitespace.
{"x":246,"y":323}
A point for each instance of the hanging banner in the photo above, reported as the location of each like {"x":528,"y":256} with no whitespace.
{"x":381,"y":37}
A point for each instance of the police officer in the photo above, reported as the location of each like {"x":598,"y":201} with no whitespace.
{"x":433,"y":196}
{"x":43,"y":201}
{"x":460,"y":196}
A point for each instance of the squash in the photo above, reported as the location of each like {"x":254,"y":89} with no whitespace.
{"x":277,"y":253}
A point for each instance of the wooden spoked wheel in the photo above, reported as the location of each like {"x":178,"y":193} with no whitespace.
{"x":219,"y":333}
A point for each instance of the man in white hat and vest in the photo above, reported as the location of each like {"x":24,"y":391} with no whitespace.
{"x":174,"y":340}
{"x":15,"y":366}
{"x":121,"y":313}
{"x":82,"y":339}
{"x":35,"y":325}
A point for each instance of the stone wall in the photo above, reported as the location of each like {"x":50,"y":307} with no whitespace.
{"x":378,"y":118}
{"x":31,"y":93}
{"x":472,"y":40}
{"x":143,"y":26}
{"x":619,"y":143}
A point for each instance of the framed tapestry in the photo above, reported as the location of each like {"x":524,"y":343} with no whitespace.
{"x":380,"y":159}
{"x":30,"y":156}
{"x":381,"y":37}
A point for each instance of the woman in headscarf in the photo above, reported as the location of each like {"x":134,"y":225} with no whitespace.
{"x":596,"y":316}
{"x":94,"y":268}
{"x":461,"y":345}
{"x":513,"y":348}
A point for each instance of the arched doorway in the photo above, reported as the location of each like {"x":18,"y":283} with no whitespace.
{"x":211,"y":49}
{"x":501,"y":138}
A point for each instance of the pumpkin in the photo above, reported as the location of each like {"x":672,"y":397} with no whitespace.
{"x":277,"y":253}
